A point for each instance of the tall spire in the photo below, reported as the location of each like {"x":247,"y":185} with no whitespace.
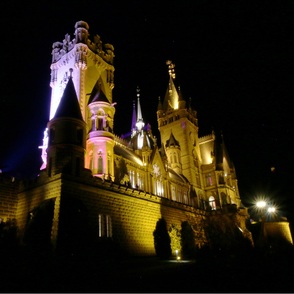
{"x":140,"y":124}
{"x":134,"y":120}
{"x":171,"y":99}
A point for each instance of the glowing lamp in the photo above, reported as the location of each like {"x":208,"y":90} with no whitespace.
{"x":271,"y":209}
{"x":261,"y":204}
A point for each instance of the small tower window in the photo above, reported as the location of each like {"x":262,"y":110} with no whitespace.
{"x":100,"y":163}
{"x":208,"y":180}
{"x":175,"y":158}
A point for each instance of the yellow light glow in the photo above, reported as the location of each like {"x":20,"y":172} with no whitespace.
{"x":261,"y":204}
{"x":271,"y":209}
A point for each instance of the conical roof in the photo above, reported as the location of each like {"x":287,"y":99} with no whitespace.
{"x":69,"y":105}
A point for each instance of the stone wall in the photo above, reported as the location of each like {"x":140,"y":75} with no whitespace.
{"x":8,"y":198}
{"x":278,"y":230}
{"x":134,"y":214}
{"x":31,"y":194}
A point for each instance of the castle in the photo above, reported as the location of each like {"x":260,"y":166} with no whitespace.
{"x":95,"y":185}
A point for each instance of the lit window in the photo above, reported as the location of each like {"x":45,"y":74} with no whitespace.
{"x":100,"y":163}
{"x":173,"y":191}
{"x":159,"y":188}
{"x":185,"y":198}
{"x":104,"y":226}
{"x":140,"y":182}
{"x":132,"y":178}
{"x":209,"y":180}
{"x":212,"y":203}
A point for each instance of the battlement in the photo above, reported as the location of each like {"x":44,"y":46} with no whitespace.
{"x":207,"y":138}
{"x":120,"y":141}
{"x":105,"y":51}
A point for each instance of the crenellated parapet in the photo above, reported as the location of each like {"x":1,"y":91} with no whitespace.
{"x":120,"y":141}
{"x":207,"y":138}
{"x":105,"y":51}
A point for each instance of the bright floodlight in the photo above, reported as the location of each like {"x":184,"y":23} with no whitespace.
{"x":271,"y":209}
{"x":260,"y":204}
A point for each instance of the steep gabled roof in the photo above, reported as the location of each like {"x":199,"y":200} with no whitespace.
{"x":172,"y":142}
{"x":221,"y":154}
{"x":97,"y":94}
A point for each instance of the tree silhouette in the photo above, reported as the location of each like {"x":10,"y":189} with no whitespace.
{"x":162,"y":240}
{"x":188,"y":241}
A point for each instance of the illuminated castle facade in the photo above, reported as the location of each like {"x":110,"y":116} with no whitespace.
{"x":95,"y":185}
{"x":188,"y":169}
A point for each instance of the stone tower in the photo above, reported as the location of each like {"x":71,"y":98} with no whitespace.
{"x":178,"y":123}
{"x":91,"y":63}
{"x":67,"y":132}
{"x":100,"y":143}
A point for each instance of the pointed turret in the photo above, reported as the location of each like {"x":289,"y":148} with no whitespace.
{"x":100,"y":143}
{"x":142,"y":140}
{"x":134,"y":120}
{"x":69,"y":105}
{"x":182,"y":122}
{"x":171,"y":99}
{"x":140,"y":123}
{"x":159,"y":106}
{"x":67,"y":133}
{"x":222,"y":159}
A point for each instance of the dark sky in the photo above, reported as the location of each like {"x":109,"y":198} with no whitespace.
{"x":233,"y":58}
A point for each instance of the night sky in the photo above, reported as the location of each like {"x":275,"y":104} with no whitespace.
{"x":233,"y":58}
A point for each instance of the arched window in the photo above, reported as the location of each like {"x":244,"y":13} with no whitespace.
{"x":100,"y":163}
{"x":159,"y":188}
{"x":104,"y":226}
{"x":212,"y":203}
{"x":185,"y":198}
{"x":132,"y":178}
{"x":175,"y":157}
{"x":108,"y":164}
{"x":100,"y":124}
{"x":208,"y":180}
{"x":140,"y":182}
{"x":173,"y":192}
